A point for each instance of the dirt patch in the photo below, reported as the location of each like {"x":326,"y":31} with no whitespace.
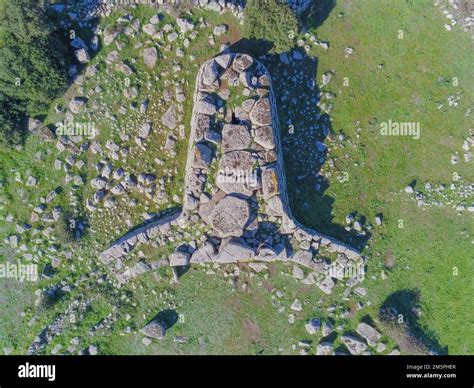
{"x":390,"y":259}
{"x":268,"y":286}
{"x":252,"y":332}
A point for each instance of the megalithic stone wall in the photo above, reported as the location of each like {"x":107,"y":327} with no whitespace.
{"x":235,"y":182}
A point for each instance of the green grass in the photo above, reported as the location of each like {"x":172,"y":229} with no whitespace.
{"x":433,"y":241}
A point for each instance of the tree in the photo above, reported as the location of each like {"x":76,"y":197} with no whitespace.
{"x":33,"y":64}
{"x":272,"y":21}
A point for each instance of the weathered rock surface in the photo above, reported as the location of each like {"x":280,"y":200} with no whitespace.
{"x":230,"y":216}
{"x":261,"y":113}
{"x":154,"y":329}
{"x":235,"y":137}
{"x":369,"y":333}
{"x":234,"y":250}
{"x":150,"y":55}
{"x":353,"y":344}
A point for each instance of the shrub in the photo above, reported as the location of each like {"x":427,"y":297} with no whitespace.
{"x":272,"y":21}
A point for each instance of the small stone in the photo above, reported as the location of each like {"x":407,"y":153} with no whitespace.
{"x":220,"y":29}
{"x":298,"y":273}
{"x":313,"y":326}
{"x":296,"y":305}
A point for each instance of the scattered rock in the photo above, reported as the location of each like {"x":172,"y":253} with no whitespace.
{"x":154,"y":329}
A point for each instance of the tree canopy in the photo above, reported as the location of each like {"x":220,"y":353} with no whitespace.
{"x":272,"y":21}
{"x":33,"y":64}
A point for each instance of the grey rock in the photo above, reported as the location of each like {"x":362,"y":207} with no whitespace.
{"x":233,"y":251}
{"x":229,"y":216}
{"x":145,"y":130}
{"x":369,"y":333}
{"x":210,"y":73}
{"x":110,"y":34}
{"x":324,"y":349}
{"x":154,"y":329}
{"x":224,"y":60}
{"x":149,"y":29}
{"x":172,"y":37}
{"x":184,"y":25}
{"x":235,"y":137}
{"x":327,"y":285}
{"x":235,"y":173}
{"x":205,"y":253}
{"x":221,"y":29}
{"x":242,"y":62}
{"x":76,"y":105}
{"x":353,"y":344}
{"x":150,"y":55}
{"x":206,"y":107}
{"x":298,"y":273}
{"x":313,"y":326}
{"x":202,"y":156}
{"x":98,"y":183}
{"x":82,"y":55}
{"x":270,"y":182}
{"x":264,"y":137}
{"x":261,"y":113}
{"x":296,"y":305}
{"x":169,"y":119}
{"x":179,"y":258}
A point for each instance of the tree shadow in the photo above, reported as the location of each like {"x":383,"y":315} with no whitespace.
{"x":317,"y":13}
{"x":304,"y":129}
{"x":401,"y":308}
{"x":167,"y":317}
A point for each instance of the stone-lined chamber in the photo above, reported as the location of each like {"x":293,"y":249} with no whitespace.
{"x":235,"y":182}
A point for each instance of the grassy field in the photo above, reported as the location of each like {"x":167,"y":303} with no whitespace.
{"x":426,"y":253}
{"x":432,"y":241}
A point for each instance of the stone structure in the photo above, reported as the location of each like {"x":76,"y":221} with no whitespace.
{"x":235,"y":182}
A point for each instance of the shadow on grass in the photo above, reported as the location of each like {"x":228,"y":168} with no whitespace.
{"x":317,"y":13}
{"x":400,"y":313}
{"x":167,"y":317}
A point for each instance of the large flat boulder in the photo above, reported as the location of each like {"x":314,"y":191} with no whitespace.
{"x":234,"y":250}
{"x":229,"y":216}
{"x":369,"y":333}
{"x":354,"y":344}
{"x":236,"y":173}
{"x":235,"y":137}
{"x":154,"y":329}
{"x":210,"y":73}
